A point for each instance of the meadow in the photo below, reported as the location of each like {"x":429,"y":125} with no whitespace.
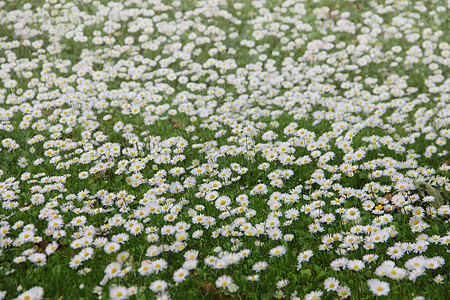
{"x":223,"y":149}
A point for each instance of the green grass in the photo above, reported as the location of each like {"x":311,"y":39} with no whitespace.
{"x":287,"y":91}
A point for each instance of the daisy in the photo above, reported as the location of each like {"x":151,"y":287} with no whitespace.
{"x":121,"y":257}
{"x":38,"y":259}
{"x":197,"y":234}
{"x":158,"y":286}
{"x":351,"y":214}
{"x":153,"y":251}
{"x":395,"y":252}
{"x":279,"y":294}
{"x":113,"y":269}
{"x":118,"y":292}
{"x":224,"y":281}
{"x":100,"y":241}
{"x":111,"y":247}
{"x":439,"y":279}
{"x":339,"y":263}
{"x":180,"y":275}
{"x":274,"y":233}
{"x":84,"y":271}
{"x":344,"y":292}
{"x":191,"y":254}
{"x":331,"y":284}
{"x":278,"y":251}
{"x":260,"y":266}
{"x":86,"y":253}
{"x":158,"y":266}
{"x":355,"y":265}
{"x":36,"y":292}
{"x":190,"y":264}
{"x":378,"y":287}
{"x":314,"y":295}
{"x":253,"y":277}
{"x":370,"y":257}
{"x":20,"y":259}
{"x":76,"y":261}
{"x":432,"y":263}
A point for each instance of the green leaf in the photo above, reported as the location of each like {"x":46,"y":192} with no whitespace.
{"x":438,"y":199}
{"x":431,"y":191}
{"x":200,"y":272}
{"x":131,"y":261}
{"x":305,"y":273}
{"x":418,"y":184}
{"x":142,"y":297}
{"x":57,"y":270}
{"x":317,"y":268}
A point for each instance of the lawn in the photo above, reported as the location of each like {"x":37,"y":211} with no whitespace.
{"x":216,"y":149}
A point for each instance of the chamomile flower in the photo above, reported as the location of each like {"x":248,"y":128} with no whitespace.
{"x":180,"y":275}
{"x":36,"y":292}
{"x":113,"y":269}
{"x":344,"y":292}
{"x":314,"y":295}
{"x":260,"y":266}
{"x":331,"y":284}
{"x":224,"y":282}
{"x":158,"y":286}
{"x":378,"y":287}
{"x":118,"y":292}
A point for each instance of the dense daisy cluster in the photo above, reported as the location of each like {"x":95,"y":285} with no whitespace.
{"x":289,"y":149}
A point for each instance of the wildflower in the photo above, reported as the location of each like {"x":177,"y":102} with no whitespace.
{"x":158,"y":266}
{"x":274,"y":233}
{"x":344,"y":292}
{"x":191,"y":254}
{"x":282,"y":283}
{"x":100,"y":241}
{"x":351,"y":214}
{"x":315,"y":227}
{"x":86,"y":253}
{"x":120,"y":238}
{"x":305,"y":256}
{"x":113,"y":269}
{"x":370,"y":257}
{"x":153,"y":251}
{"x":121,"y":257}
{"x":331,"y":284}
{"x":20,"y":259}
{"x":190,"y":264}
{"x":439,"y":279}
{"x":432,"y":263}
{"x":84,"y":271}
{"x":355,"y":265}
{"x":38,"y":259}
{"x":339,"y":263}
{"x":36,"y":292}
{"x":111,"y":247}
{"x":253,"y":277}
{"x":395,"y":252}
{"x":197,"y":234}
{"x":118,"y":292}
{"x":314,"y":295}
{"x":180,"y":275}
{"x":278,"y":251}
{"x":97,"y":290}
{"x":260,"y":266}
{"x":132,"y":290}
{"x":378,"y":287}
{"x":279,"y":294}
{"x":224,"y":281}
{"x":158,"y":286}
